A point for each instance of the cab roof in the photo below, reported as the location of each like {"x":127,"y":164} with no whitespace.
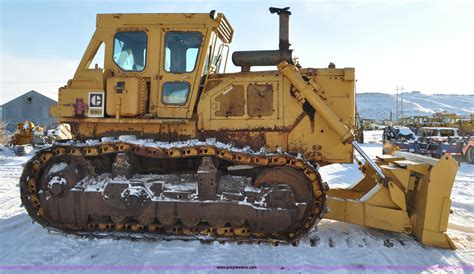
{"x":215,"y":21}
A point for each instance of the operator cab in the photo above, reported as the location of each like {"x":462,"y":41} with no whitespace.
{"x":154,"y":64}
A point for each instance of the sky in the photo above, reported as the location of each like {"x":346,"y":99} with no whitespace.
{"x":423,"y":45}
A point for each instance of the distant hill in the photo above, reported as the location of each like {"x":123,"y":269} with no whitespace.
{"x":379,"y":105}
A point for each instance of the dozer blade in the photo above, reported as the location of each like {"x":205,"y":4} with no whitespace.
{"x":414,"y":198}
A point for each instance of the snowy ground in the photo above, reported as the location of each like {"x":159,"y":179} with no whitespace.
{"x":413,"y":104}
{"x":342,"y":247}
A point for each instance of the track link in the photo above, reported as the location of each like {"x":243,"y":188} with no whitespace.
{"x":30,"y":188}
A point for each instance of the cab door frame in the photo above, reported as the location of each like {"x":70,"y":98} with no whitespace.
{"x":184,"y":111}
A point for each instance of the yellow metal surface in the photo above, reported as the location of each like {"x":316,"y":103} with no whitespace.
{"x":312,"y":92}
{"x":165,"y":129}
{"x":289,"y":127}
{"x":415,"y":200}
{"x":124,"y":101}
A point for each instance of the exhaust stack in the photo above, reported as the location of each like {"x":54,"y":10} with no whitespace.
{"x":284,"y":15}
{"x":247,"y":59}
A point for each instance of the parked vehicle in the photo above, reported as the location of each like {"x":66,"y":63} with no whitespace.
{"x":432,"y":142}
{"x":468,"y":150}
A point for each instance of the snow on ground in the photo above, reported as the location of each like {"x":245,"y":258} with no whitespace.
{"x":413,"y":104}
{"x":374,"y":136}
{"x":341,"y":246}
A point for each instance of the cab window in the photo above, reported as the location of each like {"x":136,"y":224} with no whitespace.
{"x":447,"y":133}
{"x":130,"y":50}
{"x":98,"y":60}
{"x":429,"y":132}
{"x":175,"y":93}
{"x":216,"y":54}
{"x":181,"y":51}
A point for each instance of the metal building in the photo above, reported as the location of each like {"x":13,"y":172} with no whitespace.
{"x":31,"y":106}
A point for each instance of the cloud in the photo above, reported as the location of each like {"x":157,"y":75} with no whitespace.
{"x":21,"y":74}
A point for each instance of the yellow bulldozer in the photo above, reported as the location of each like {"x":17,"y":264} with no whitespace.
{"x":166,"y":143}
{"x":24,"y":134}
{"x":27,"y":133}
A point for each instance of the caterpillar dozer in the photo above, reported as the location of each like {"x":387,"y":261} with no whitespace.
{"x":168,"y":145}
{"x":24,"y":133}
{"x":25,"y":137}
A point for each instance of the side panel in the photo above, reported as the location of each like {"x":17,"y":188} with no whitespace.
{"x":124,"y":95}
{"x":162,"y":130}
{"x":225,"y":106}
{"x":240,"y":108}
{"x":314,"y":137}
